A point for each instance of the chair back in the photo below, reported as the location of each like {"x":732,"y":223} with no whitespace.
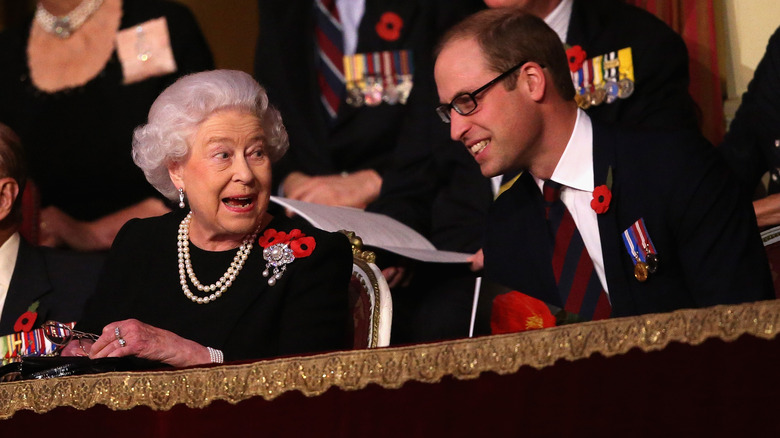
{"x":369,"y":297}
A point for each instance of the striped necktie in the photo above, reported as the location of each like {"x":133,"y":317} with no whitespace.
{"x":330,"y":59}
{"x":578,"y":283}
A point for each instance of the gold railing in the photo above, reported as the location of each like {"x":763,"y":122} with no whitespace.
{"x":390,"y":367}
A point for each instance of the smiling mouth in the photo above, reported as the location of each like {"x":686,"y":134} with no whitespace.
{"x":478,"y":147}
{"x":238,"y":202}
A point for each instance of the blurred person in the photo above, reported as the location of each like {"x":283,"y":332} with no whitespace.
{"x":50,"y":283}
{"x":77,"y":78}
{"x":752,"y":144}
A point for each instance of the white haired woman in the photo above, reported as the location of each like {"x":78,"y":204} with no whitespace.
{"x":221,"y":279}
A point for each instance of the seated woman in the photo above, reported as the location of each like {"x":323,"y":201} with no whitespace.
{"x":234,"y":280}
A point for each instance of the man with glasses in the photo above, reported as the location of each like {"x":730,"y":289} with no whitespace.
{"x":55,"y":283}
{"x":603,"y":221}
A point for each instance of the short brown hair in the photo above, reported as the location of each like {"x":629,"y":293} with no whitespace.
{"x":508,"y":36}
{"x":13,"y":164}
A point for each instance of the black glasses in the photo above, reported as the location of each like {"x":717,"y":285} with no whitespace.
{"x":465,"y":103}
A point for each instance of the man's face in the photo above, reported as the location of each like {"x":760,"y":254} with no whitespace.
{"x":502,"y":131}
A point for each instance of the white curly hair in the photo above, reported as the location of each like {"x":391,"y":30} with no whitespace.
{"x":179,"y":110}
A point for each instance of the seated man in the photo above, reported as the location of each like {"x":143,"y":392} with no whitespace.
{"x":603,"y":221}
{"x":58,"y":281}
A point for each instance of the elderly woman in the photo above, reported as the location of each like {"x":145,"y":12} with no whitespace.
{"x":221,"y":276}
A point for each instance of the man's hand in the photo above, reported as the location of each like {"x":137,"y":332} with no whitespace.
{"x":356,"y":189}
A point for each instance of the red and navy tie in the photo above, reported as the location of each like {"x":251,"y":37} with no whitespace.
{"x":578,"y":283}
{"x":330,"y":50}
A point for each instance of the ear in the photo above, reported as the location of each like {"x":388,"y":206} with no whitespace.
{"x":533,"y":79}
{"x":9,"y":190}
{"x":176,"y":172}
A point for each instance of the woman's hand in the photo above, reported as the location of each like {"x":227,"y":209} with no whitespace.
{"x":477,"y":261}
{"x":143,"y":340}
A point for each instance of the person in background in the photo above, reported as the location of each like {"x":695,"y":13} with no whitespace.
{"x":365,"y":142}
{"x":248,"y":285}
{"x":76,"y":80}
{"x":51,"y":283}
{"x":752,"y":144}
{"x":623,"y":209}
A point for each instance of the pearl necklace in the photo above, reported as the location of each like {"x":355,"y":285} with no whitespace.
{"x":64,"y":26}
{"x":185,"y":266}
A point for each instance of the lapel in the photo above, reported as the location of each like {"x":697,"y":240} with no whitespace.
{"x":584,"y":24}
{"x":524,"y":253}
{"x":29,"y":283}
{"x":604,"y":157}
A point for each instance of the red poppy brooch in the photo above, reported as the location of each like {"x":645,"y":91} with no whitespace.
{"x":389,"y":26}
{"x":602,"y":195}
{"x":281,"y":248}
{"x":576,"y":57}
{"x":27,"y":320}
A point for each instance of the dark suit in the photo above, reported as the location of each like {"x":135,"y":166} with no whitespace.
{"x":660,"y":58}
{"x":360,"y":138}
{"x":750,"y":146}
{"x":60,"y":280}
{"x":704,"y":232}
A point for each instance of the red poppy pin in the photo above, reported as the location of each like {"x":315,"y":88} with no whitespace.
{"x":389,"y":26}
{"x":576,"y":57}
{"x":26,"y":322}
{"x":517,"y":312}
{"x":281,"y":248}
{"x":602,"y":195}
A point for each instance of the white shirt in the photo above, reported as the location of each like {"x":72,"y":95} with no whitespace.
{"x":575,"y":173}
{"x":8,"y":252}
{"x":350,"y":14}
{"x":559,"y":19}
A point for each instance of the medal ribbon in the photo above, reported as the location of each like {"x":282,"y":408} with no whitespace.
{"x":626,"y":64}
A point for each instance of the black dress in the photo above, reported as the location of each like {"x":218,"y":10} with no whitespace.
{"x":78,"y":140}
{"x":306,"y":311}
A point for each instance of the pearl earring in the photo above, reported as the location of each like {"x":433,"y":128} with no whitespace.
{"x":181,"y":197}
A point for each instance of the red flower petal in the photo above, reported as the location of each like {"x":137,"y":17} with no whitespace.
{"x":389,"y":26}
{"x":601,"y":199}
{"x":303,"y":247}
{"x":517,"y":312}
{"x":25,"y":322}
{"x":576,"y":56}
{"x":271,"y":237}
{"x":294,"y":234}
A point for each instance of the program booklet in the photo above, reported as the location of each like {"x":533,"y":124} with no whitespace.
{"x":375,"y":229}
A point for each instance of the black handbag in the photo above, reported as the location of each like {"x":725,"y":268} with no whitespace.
{"x":47,"y":367}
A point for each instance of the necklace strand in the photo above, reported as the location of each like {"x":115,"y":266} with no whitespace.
{"x":185,"y":266}
{"x":64,"y":26}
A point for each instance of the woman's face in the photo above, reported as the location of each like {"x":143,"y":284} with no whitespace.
{"x":226,"y":177}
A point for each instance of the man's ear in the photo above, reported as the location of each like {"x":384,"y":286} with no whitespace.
{"x":175,"y":170}
{"x":9,"y":191}
{"x":533,"y":79}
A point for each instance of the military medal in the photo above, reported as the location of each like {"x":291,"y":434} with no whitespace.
{"x":640,"y":271}
{"x":641,"y":250}
{"x":373,"y":91}
{"x":625,"y":73}
{"x":353,"y":75}
{"x":390,"y":95}
{"x":597,"y":94}
{"x":403,"y":59}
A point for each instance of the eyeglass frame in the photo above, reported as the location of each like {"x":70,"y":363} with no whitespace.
{"x":74,"y":334}
{"x":444,"y":109}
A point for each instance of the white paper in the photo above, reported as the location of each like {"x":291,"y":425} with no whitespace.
{"x":375,"y":229}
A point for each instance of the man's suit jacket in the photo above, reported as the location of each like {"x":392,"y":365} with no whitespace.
{"x":750,"y":146}
{"x":661,"y":97}
{"x":705,"y":233}
{"x":360,"y":138}
{"x":61,"y":281}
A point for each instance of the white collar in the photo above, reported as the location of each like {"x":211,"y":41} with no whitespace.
{"x":575,"y":168}
{"x":559,"y":18}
